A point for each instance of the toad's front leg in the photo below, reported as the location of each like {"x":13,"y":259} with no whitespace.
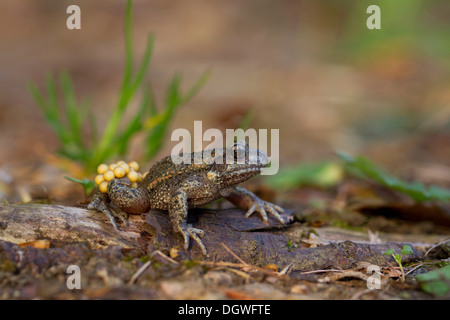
{"x":178,"y":211}
{"x":247,"y":200}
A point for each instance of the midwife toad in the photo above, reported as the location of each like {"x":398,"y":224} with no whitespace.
{"x":177,"y":187}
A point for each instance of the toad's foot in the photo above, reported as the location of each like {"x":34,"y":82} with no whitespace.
{"x":246,"y":199}
{"x":101,"y":203}
{"x":262,"y":207}
{"x":188,"y":231}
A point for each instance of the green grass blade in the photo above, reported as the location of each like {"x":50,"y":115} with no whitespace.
{"x":110,"y":135}
{"x":173,"y":100}
{"x":142,"y":71}
{"x":73,"y":114}
{"x":38,"y":98}
{"x":156,"y":134}
{"x":134,"y":126}
{"x":153,"y":110}
{"x":247,"y":120}
{"x":128,"y":44}
{"x":51,"y":110}
{"x":115,"y":137}
{"x":196,"y":87}
{"x":173,"y":93}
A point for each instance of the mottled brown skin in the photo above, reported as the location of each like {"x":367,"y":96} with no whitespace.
{"x":177,"y":187}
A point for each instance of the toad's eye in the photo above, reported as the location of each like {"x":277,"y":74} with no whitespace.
{"x":238,"y":151}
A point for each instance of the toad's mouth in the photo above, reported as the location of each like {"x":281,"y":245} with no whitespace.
{"x":251,"y":170}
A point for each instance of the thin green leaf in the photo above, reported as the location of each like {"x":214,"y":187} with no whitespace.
{"x":406,"y":250}
{"x":436,"y":282}
{"x":415,"y":190}
{"x":87,"y":184}
{"x":325,"y":174}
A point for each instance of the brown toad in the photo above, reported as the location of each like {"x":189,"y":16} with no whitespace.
{"x":177,"y":187}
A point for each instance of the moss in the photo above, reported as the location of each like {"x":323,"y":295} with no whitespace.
{"x":145,"y":258}
{"x":8,"y":266}
{"x":190,"y":263}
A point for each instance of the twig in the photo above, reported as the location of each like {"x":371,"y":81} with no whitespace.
{"x":285,"y":269}
{"x":436,"y":245}
{"x":358,"y":295}
{"x":246,"y":265}
{"x":224,"y":264}
{"x":145,"y":266}
{"x":349,"y":274}
{"x":234,"y":255}
{"x":418,"y":266}
{"x":162,"y":255}
{"x":240,"y":273}
{"x":243,"y":266}
{"x":139,"y":272}
{"x":320,"y":271}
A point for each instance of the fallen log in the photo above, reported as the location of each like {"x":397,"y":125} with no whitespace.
{"x":260,"y":244}
{"x":23,"y":223}
{"x":253,"y":241}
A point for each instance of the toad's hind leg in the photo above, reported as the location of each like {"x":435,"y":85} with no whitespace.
{"x":101,"y":202}
{"x":130,"y":200}
{"x":120,"y":200}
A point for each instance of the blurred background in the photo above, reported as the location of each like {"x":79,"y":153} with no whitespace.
{"x":309,"y":68}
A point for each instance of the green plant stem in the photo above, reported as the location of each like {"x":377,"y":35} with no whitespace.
{"x":398,"y":259}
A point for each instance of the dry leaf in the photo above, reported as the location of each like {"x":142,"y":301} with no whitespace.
{"x":237,"y":295}
{"x":271,"y":267}
{"x":173,"y":253}
{"x":39,"y":244}
{"x":394,"y":272}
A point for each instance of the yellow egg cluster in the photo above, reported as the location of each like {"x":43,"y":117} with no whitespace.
{"x":119,"y":169}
